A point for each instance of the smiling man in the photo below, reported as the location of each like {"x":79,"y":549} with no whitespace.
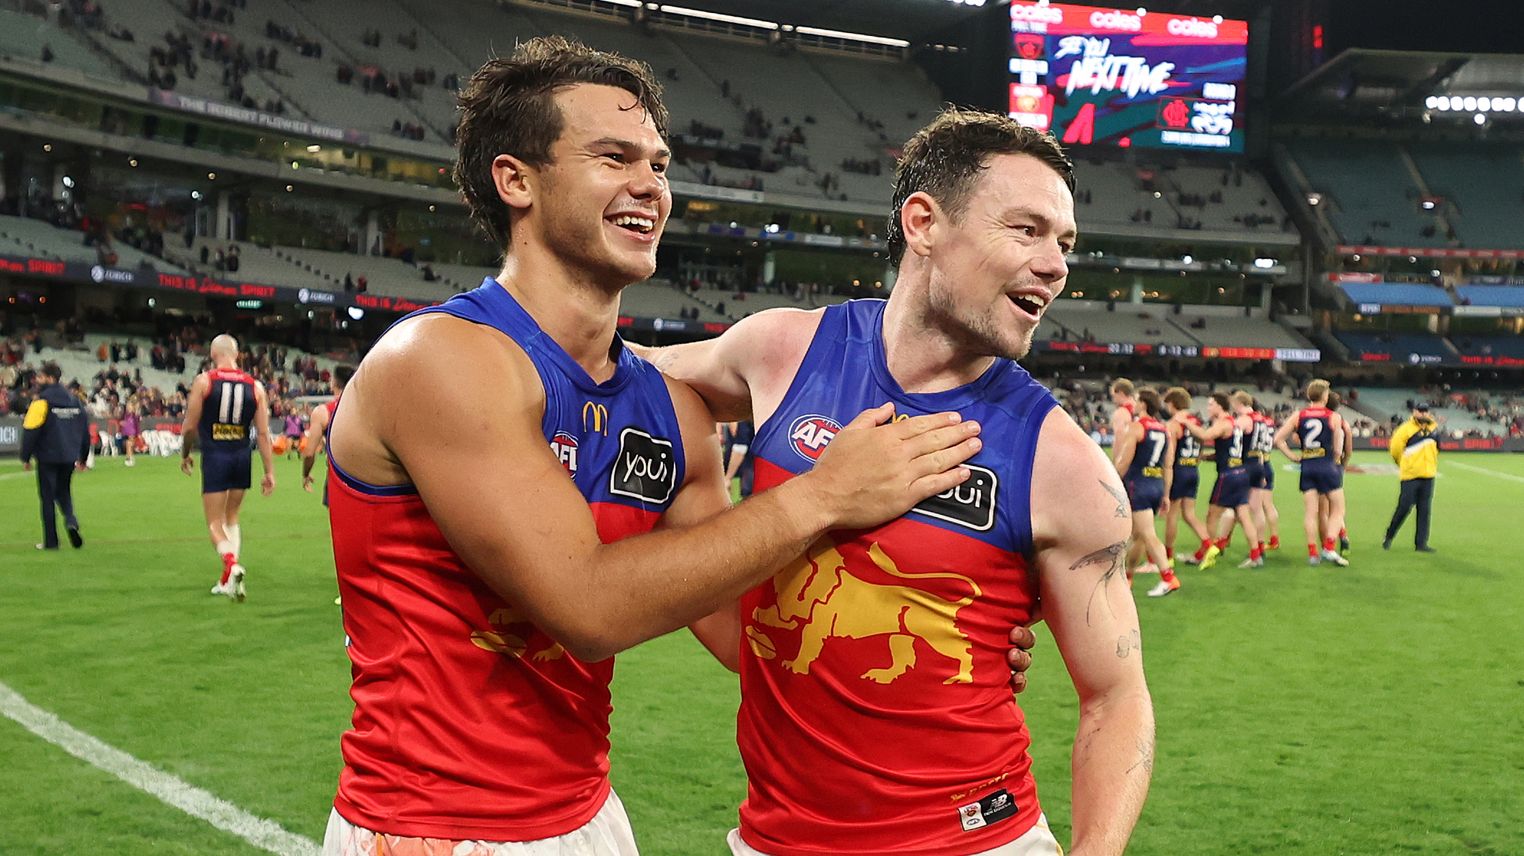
{"x":499,"y":463}
{"x":874,"y":716}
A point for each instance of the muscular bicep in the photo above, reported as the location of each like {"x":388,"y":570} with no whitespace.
{"x":499,"y":495}
{"x":1081,"y":541}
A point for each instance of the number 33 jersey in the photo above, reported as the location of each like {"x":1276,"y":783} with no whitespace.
{"x":876,"y":713}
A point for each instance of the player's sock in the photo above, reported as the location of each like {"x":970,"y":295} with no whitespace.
{"x":235,"y":535}
{"x":1201,"y":551}
{"x":1258,"y":552}
{"x":1312,"y":550}
{"x":228,"y":561}
{"x":1329,"y":544}
{"x":1275,"y":542}
{"x":1343,"y":532}
{"x":1167,"y":574}
{"x":1169,"y":554}
{"x":1222,"y":543}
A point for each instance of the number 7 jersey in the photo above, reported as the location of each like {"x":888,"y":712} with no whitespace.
{"x":876,"y":713}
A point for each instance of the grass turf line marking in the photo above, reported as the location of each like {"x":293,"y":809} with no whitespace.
{"x":1485,"y":471}
{"x":264,"y":834}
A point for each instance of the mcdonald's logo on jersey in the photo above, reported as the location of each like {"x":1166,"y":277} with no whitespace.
{"x":599,"y":421}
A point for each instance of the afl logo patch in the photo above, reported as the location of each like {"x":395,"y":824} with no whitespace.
{"x":810,"y":434}
{"x":564,"y":445}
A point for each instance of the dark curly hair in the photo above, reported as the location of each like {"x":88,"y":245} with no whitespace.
{"x":944,"y":160}
{"x":508,"y":107}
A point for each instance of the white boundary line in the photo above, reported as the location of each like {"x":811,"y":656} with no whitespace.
{"x":264,"y":834}
{"x":1485,"y":471}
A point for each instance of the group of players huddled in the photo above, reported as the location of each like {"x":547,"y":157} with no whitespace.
{"x":1158,"y":449}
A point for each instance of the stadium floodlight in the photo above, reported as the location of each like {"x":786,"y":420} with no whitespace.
{"x":1503,"y":104}
{"x":1480,"y":118}
{"x":716,"y":16}
{"x":634,"y":4}
{"x":1484,"y":104}
{"x":1187,"y":258}
{"x":211,"y":176}
{"x":1431,"y":102}
{"x":314,"y":149}
{"x":1142,"y":11}
{"x":1314,"y":199}
{"x":196,"y":195}
{"x":1217,"y":19}
{"x":68,"y":181}
{"x":132,"y":162}
{"x":1264,"y":264}
{"x":1468,"y":103}
{"x":356,"y":313}
{"x":856,"y":37}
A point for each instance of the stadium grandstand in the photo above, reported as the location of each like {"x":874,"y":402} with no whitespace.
{"x":1266,"y":194}
{"x":290,"y":161}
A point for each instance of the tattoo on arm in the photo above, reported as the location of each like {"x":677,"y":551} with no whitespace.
{"x":1127,"y":644}
{"x":1121,"y":499}
{"x":1113,"y":558}
{"x":1145,"y":757}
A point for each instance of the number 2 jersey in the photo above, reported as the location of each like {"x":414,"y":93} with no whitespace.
{"x":876,"y":713}
{"x":469,"y":721}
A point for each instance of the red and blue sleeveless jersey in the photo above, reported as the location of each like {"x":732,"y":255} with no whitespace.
{"x":227,"y":412}
{"x":1188,"y":448}
{"x":1148,"y":457}
{"x":876,"y":714}
{"x":1314,"y":430}
{"x":469,"y":721}
{"x":1229,"y":450}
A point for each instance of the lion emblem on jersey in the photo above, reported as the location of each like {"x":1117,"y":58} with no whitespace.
{"x":511,"y":634}
{"x":819,"y":595}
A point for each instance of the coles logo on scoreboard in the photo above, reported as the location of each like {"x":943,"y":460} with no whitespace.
{"x":564,"y":445}
{"x":1116,"y":20}
{"x":1191,"y":27}
{"x":810,"y":434}
{"x":1037,"y":14}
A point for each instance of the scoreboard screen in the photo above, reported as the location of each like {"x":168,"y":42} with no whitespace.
{"x":1128,"y":77}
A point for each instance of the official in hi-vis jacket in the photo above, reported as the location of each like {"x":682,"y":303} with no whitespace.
{"x":1415,"y":448}
{"x":57,"y":433}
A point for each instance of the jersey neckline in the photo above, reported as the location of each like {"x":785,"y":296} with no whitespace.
{"x":929,"y":402}
{"x":623,"y":357}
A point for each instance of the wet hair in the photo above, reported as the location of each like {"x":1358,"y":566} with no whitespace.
{"x":945,"y":158}
{"x":508,"y":107}
{"x":1178,"y":398}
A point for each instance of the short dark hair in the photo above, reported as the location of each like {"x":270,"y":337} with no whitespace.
{"x":1149,"y":398}
{"x":945,"y":158}
{"x":51,"y":369}
{"x":508,"y":107}
{"x":342,"y":374}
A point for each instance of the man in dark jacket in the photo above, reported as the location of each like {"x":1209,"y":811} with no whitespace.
{"x":56,"y":432}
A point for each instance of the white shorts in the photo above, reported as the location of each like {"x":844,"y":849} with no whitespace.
{"x":1038,"y":841}
{"x":607,"y":834}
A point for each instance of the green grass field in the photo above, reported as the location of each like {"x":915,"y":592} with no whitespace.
{"x":1372,"y":710}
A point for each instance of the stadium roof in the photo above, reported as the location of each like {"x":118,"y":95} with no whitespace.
{"x":1365,"y":83}
{"x":916,"y":20}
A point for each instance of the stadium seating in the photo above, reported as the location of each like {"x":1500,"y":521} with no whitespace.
{"x":1482,"y":186}
{"x":1499,"y":346}
{"x":1491,"y":295}
{"x":23,"y":36}
{"x":1366,"y":187}
{"x":1237,"y":331}
{"x":384,"y":276}
{"x":660,"y":299}
{"x":1396,"y":293}
{"x":1131,"y":322}
{"x":256,"y":264}
{"x":1402,"y":347}
{"x":23,"y":235}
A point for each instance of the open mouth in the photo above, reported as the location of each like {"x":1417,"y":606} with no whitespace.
{"x":1032,"y":304}
{"x":634,"y":223}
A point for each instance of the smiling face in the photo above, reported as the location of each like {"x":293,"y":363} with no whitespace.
{"x":601,"y":202}
{"x":997,"y":268}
